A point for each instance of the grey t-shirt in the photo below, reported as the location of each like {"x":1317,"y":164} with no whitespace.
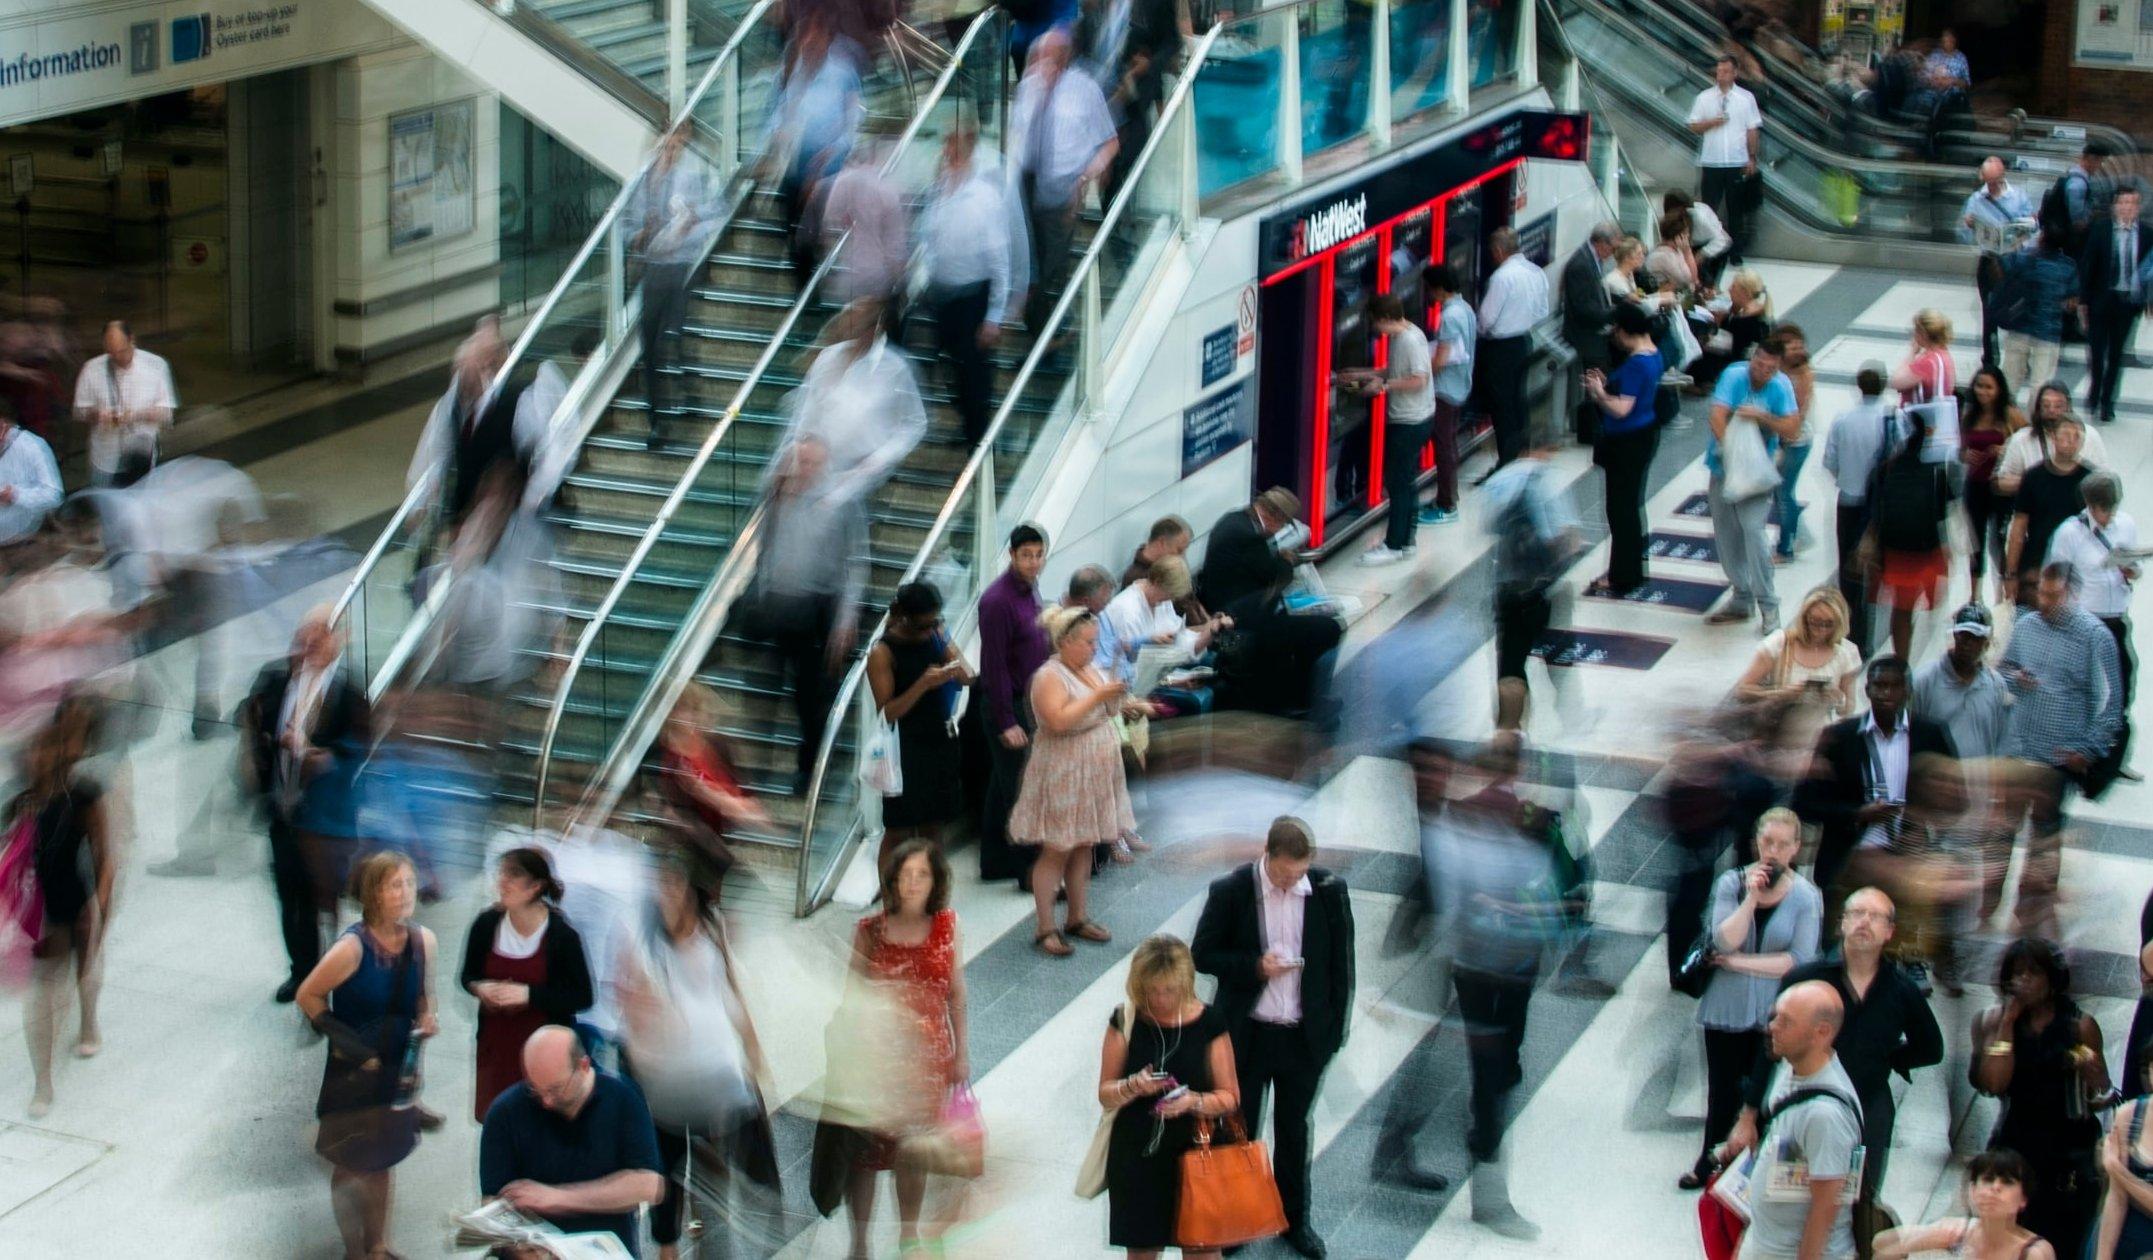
{"x":1816,"y":1139}
{"x":1409,"y":357}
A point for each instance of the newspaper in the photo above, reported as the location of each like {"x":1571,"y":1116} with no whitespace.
{"x":499,"y":1225}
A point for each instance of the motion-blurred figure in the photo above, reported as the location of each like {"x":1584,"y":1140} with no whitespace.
{"x":698,"y":777}
{"x":35,"y":362}
{"x":1535,"y":539}
{"x":473,"y":426}
{"x":672,"y":209}
{"x":1064,"y":142}
{"x":29,"y":487}
{"x":811,"y":130}
{"x":861,"y":401}
{"x":125,"y":396}
{"x":865,"y":208}
{"x":976,"y":250}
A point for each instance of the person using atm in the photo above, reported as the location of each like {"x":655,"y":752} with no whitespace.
{"x":1407,"y":383}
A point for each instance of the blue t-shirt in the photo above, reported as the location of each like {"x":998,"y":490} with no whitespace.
{"x":1735,"y":391}
{"x":1638,"y":377}
{"x":523,"y":1141}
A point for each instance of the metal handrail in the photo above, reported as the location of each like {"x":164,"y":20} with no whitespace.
{"x":423,"y":487}
{"x":718,"y":431}
{"x":841,"y":701}
{"x":534,"y":24}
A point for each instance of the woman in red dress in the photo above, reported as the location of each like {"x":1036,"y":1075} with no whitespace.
{"x":698,"y":778}
{"x":525,"y":965}
{"x":910,"y":951}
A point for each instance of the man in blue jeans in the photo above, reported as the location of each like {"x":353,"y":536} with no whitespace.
{"x":1408,"y":386}
{"x":1759,"y":393}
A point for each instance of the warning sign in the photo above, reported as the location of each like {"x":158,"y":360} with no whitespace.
{"x":1246,"y":342}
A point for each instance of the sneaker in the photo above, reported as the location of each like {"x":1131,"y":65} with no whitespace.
{"x":1767,"y":619}
{"x":1674,"y":376}
{"x":1729,"y":614}
{"x":1380,"y":555}
{"x":1437,"y":516}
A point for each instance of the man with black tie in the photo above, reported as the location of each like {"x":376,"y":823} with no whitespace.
{"x":299,"y":709}
{"x":1587,"y":308}
{"x":2111,"y":297}
{"x":1278,"y":935}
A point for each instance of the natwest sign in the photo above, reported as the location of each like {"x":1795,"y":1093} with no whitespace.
{"x":1300,"y":231}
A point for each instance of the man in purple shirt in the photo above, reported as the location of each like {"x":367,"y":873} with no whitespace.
{"x":1012,"y":647}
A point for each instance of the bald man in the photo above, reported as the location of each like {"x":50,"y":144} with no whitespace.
{"x":1802,"y":1188}
{"x":1995,"y":217}
{"x":570,"y":1143}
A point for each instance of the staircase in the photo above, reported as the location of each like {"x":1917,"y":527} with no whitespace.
{"x":631,"y":33}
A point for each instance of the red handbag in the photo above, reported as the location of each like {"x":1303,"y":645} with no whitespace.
{"x":1228,"y":1196}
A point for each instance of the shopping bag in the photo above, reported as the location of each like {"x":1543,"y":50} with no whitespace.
{"x":956,"y":1144}
{"x":1746,"y":467}
{"x":1091,"y":1174}
{"x":22,"y":902}
{"x":1228,"y":1196}
{"x":1686,"y":348}
{"x":880,"y":768}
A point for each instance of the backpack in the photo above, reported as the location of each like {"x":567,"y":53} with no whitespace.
{"x":1525,"y":561}
{"x":2054,"y":216}
{"x":1908,"y":504}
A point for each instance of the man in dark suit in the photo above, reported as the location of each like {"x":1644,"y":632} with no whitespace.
{"x":2111,"y":297}
{"x":299,"y":709}
{"x":1587,"y":309}
{"x":1857,"y":783}
{"x":1278,"y":935}
{"x":1239,"y":559}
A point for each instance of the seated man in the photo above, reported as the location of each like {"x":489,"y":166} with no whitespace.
{"x":571,"y":1144}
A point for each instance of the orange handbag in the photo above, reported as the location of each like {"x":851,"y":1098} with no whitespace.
{"x":1228,"y":1196}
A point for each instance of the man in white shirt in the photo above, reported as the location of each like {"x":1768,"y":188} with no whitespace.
{"x":860,"y":400}
{"x":1998,"y":218}
{"x":29,"y":485}
{"x":2089,"y":542}
{"x":125,"y":396}
{"x":1726,"y":118}
{"x":1064,"y":143}
{"x":968,"y":236}
{"x":1516,"y":302}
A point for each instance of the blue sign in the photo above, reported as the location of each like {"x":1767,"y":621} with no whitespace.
{"x":1216,"y":425}
{"x":1218,"y":356}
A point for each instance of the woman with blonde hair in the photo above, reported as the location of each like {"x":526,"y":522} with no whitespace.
{"x":1928,"y":374}
{"x":1073,"y":795}
{"x":1166,"y":1062}
{"x":1809,"y":658}
{"x":371,"y":995}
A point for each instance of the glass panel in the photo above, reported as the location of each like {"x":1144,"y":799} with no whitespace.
{"x":551,"y":201}
{"x":1419,"y":56}
{"x":1491,"y":32}
{"x":1337,"y":45}
{"x":1237,"y":99}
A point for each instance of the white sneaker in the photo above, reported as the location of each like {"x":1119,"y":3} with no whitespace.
{"x":1380,"y":555}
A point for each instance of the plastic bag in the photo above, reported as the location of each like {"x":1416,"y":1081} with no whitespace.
{"x":1746,"y":467}
{"x":880,"y":767}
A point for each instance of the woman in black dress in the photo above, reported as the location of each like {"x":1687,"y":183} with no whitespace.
{"x":1160,"y":1038}
{"x":2138,"y":1050}
{"x":915,"y":672}
{"x":2042,"y":1056}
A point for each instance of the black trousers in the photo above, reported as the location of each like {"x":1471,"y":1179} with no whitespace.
{"x":799,"y":630}
{"x":298,"y":914}
{"x":2110,"y":323}
{"x":1851,"y":522}
{"x":1717,"y":187}
{"x":1502,"y":366}
{"x":2126,"y":665}
{"x":1627,"y":460}
{"x":1053,"y":229}
{"x":1402,"y":445}
{"x":794,"y":191}
{"x":1986,"y":272}
{"x":958,"y":314}
{"x":665,"y":308}
{"x":1268,"y":1058}
{"x":1729,"y":1058}
{"x":676,"y":1169}
{"x":998,"y":859}
{"x":1520,"y":620}
{"x":1494,"y":1008}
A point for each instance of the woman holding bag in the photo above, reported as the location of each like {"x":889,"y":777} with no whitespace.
{"x":1165,"y":1063}
{"x":916,"y":672}
{"x":911,"y":952}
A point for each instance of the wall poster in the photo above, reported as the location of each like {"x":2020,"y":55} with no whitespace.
{"x":431,"y":193}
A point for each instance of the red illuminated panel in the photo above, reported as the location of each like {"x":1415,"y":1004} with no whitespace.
{"x":1381,"y":403}
{"x":1385,"y":225}
{"x":1319,"y":484}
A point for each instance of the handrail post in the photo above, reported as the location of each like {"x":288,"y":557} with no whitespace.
{"x":616,"y":282}
{"x":1379,"y":76}
{"x":1191,"y":192}
{"x":1461,"y":56}
{"x":729,"y":116}
{"x":1091,"y":353}
{"x":986,"y":535}
{"x":1289,"y":96}
{"x":1528,"y":50}
{"x":676,"y":58}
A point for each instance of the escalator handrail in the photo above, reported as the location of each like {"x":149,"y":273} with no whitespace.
{"x":955,"y":501}
{"x":606,"y":791}
{"x":421,"y":491}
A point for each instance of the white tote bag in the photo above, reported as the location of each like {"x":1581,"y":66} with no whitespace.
{"x":880,"y":768}
{"x":1091,"y":1174}
{"x":1746,"y":467}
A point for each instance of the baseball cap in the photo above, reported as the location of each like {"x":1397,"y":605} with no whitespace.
{"x":1972,"y":619}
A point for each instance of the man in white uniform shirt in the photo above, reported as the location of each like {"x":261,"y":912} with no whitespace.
{"x":1064,"y":142}
{"x":970,"y":236}
{"x":2089,"y":541}
{"x":1726,"y":118}
{"x":125,"y":396}
{"x":1516,"y":301}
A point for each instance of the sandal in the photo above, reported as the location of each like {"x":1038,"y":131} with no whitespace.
{"x":1136,"y":842}
{"x":1119,"y":853}
{"x":1051,"y":942}
{"x":1086,"y":930}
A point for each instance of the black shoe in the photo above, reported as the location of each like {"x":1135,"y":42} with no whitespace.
{"x":1698,"y":1175}
{"x":1304,"y":1241}
{"x":430,"y":1121}
{"x":1408,"y":1173}
{"x":205,"y":726}
{"x":184,"y":868}
{"x":288,"y":990}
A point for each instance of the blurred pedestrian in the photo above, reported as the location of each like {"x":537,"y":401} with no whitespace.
{"x":2030,"y":446}
{"x":60,"y":815}
{"x":570,"y":1144}
{"x":1928,"y":374}
{"x":1627,"y":437}
{"x":865,"y":209}
{"x":1167,"y":1064}
{"x":2112,"y":293}
{"x":1535,"y":539}
{"x":2034,"y":286}
{"x":1515,"y":302}
{"x":473,"y":425}
{"x":702,"y":782}
{"x":810,"y":132}
{"x":1063,"y":141}
{"x":1074,"y":794}
{"x":1964,"y":695}
{"x":2041,"y":1054}
{"x":1012,"y":646}
{"x":688,"y":1044}
{"x":974,"y":244}
{"x":1278,"y":937}
{"x":1764,"y":921}
{"x":2098,"y":543}
{"x":29,"y":487}
{"x":524,"y":963}
{"x":1906,"y":545}
{"x":1990,"y":221}
{"x":371,"y":997}
{"x":672,"y":208}
{"x":1862,"y":437}
{"x":861,"y":401}
{"x":910,"y":949}
{"x":916,"y":673}
{"x":125,"y":396}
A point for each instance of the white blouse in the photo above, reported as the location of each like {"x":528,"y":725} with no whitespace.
{"x":509,"y":943}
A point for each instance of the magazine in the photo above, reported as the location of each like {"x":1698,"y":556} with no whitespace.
{"x":497,"y":1224}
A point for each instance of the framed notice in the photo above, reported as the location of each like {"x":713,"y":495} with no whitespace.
{"x":2115,"y":34}
{"x":432,"y":196}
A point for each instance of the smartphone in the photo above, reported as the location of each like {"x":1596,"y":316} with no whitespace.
{"x":1293,"y":962}
{"x":1169,"y":1096}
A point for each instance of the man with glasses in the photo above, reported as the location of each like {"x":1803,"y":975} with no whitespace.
{"x":570,"y":1144}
